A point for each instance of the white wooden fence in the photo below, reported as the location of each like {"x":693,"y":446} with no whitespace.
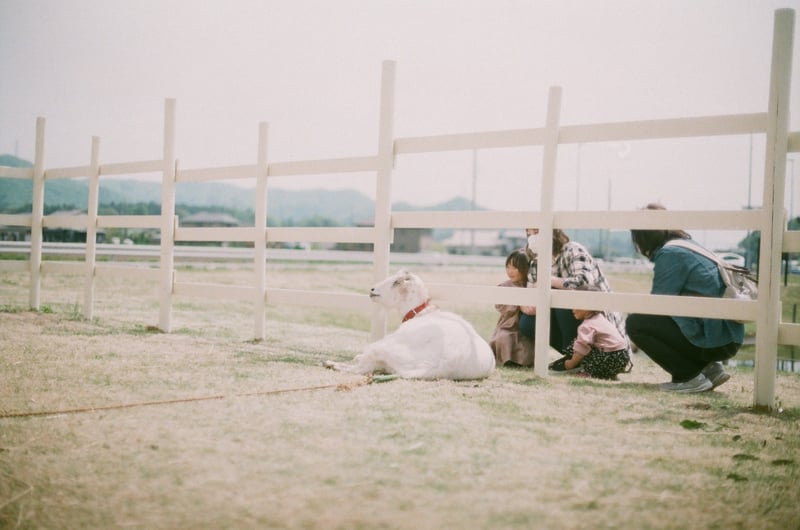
{"x":768,"y":220}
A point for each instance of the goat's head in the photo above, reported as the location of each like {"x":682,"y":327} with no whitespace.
{"x":402,"y":291}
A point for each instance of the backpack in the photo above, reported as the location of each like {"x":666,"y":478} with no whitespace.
{"x":739,"y":282}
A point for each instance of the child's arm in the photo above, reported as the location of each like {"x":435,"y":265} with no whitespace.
{"x":582,"y":344}
{"x":569,"y":364}
{"x":504,"y":309}
{"x":529,"y":309}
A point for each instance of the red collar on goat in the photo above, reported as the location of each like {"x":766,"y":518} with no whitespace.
{"x":411,"y":314}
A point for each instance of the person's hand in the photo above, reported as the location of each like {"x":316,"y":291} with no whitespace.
{"x":556,"y":283}
{"x":528,"y":309}
{"x":574,"y":361}
{"x":569,"y":364}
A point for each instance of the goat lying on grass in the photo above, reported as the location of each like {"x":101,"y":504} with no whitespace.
{"x":429,"y":344}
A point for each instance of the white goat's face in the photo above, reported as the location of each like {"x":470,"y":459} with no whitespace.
{"x":401,"y":291}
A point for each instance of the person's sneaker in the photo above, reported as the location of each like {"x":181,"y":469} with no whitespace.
{"x":716,"y":374}
{"x":699,"y":383}
{"x":559,"y":367}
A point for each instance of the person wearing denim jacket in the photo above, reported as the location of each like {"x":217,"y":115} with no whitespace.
{"x":688,"y":348}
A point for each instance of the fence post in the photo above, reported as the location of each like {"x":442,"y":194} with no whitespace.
{"x":37,"y":213}
{"x":769,"y":268}
{"x":544,"y":262}
{"x":167,"y":218}
{"x":91,"y":229}
{"x":260,"y":242}
{"x":383,"y":192}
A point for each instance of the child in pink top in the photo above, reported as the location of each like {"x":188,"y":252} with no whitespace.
{"x":599,"y":350}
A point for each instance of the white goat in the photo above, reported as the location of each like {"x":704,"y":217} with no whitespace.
{"x":429,"y":344}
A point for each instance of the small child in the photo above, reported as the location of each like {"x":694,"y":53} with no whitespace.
{"x":599,"y":350}
{"x":510,"y":347}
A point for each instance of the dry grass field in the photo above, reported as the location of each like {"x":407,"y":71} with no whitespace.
{"x":206,"y":428}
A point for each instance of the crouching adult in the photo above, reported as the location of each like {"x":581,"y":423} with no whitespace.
{"x":689,"y":348}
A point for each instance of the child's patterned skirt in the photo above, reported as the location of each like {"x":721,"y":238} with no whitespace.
{"x":603,"y":365}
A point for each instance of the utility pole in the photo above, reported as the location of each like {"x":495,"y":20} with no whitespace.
{"x":749,"y":199}
{"x":473,"y":204}
{"x":791,"y":187}
{"x":607,"y":252}
{"x":578,"y":178}
{"x":750,"y":176}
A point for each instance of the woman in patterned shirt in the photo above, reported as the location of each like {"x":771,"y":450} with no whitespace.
{"x":573,"y":268}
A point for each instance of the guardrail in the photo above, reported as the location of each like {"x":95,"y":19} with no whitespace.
{"x":246,"y":254}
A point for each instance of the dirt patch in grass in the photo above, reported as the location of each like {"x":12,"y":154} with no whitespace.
{"x":222,"y":431}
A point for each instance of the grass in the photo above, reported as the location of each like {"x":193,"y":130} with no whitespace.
{"x":288,"y":444}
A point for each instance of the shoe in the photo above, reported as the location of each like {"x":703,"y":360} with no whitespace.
{"x":699,"y":383}
{"x":716,"y":374}
{"x":558,"y":366}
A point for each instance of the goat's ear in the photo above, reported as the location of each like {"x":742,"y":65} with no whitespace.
{"x":402,"y":277}
{"x":399,"y":277}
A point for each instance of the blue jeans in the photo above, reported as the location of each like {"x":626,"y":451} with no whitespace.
{"x":563,"y":327}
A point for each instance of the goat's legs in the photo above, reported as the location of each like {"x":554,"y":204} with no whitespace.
{"x":371,"y":360}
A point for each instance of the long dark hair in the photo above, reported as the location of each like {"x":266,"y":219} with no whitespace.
{"x":648,"y":241}
{"x":560,"y":238}
{"x":520,"y":260}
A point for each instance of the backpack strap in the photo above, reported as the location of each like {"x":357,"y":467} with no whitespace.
{"x":738,"y":281}
{"x":697,"y":249}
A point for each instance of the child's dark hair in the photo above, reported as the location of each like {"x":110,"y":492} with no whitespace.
{"x":520,"y":260}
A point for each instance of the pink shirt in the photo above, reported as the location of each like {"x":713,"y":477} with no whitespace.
{"x":599,"y":332}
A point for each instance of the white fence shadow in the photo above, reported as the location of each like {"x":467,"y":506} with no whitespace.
{"x":768,"y":220}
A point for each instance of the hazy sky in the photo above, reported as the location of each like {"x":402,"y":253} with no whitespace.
{"x":311,"y":69}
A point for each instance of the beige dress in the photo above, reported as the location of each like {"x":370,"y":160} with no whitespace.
{"x":507,"y":343}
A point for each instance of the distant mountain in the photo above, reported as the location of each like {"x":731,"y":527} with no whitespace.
{"x":454,"y":204}
{"x":17,"y":193}
{"x":13,"y":161}
{"x":345,"y":206}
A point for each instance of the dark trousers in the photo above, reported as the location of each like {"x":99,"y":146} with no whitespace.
{"x":661,"y":339}
{"x":563,"y":327}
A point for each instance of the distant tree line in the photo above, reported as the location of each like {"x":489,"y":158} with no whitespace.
{"x":245,"y":216}
{"x":600,"y":242}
